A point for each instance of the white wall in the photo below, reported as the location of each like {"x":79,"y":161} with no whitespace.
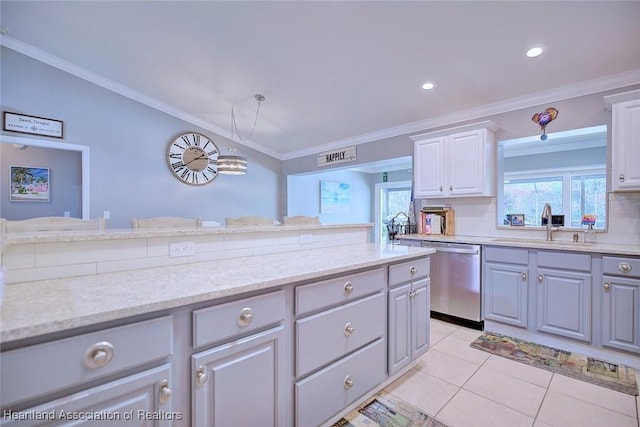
{"x":303,"y":196}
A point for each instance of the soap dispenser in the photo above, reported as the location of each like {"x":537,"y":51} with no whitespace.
{"x":590,"y":234}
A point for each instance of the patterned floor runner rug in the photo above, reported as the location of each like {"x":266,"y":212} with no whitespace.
{"x":386,"y":411}
{"x":616,"y":377}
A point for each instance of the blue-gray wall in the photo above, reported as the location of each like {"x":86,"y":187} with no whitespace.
{"x":128,"y":140}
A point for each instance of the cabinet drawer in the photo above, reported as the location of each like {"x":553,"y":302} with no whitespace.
{"x":343,"y":289}
{"x":213,"y":324}
{"x":327,"y":336}
{"x":31,"y":372}
{"x":400,"y":273}
{"x":325,"y":393}
{"x":564,"y":260}
{"x":506,"y":255}
{"x":620,"y":266}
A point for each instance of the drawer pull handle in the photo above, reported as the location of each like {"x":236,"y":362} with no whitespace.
{"x":524,"y":276}
{"x":348,"y":288}
{"x":348,"y":381}
{"x":540,"y":277}
{"x":451,"y":188}
{"x":201,"y":376}
{"x":441,"y":188}
{"x":606,"y":286}
{"x":245,"y":317}
{"x":165,"y":391}
{"x":349,"y":329}
{"x":413,"y":270}
{"x":624,"y":267}
{"x":98,"y":355}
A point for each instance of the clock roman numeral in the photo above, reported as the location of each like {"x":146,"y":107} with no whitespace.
{"x":175,"y":144}
{"x":185,"y":174}
{"x":177,"y":166}
{"x":175,"y":155}
{"x":205,"y":145}
{"x":209,"y":153}
{"x":194,"y":178}
{"x":185,"y":138}
{"x":212,"y":170}
{"x":196,"y":139}
{"x":204,"y":175}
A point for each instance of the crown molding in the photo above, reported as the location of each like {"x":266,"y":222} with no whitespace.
{"x":565,"y":92}
{"x":108,"y":84}
{"x":588,"y":87}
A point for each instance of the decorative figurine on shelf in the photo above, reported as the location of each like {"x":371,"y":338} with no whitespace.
{"x":543,"y":119}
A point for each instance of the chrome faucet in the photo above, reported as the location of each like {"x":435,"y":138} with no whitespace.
{"x":546,"y":213}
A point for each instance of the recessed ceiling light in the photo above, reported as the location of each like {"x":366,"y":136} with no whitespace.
{"x":428,"y":85}
{"x":535,"y":51}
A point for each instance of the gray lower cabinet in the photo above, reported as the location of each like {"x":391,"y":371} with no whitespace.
{"x":505,"y":285}
{"x":119,"y":374}
{"x":409,"y":309}
{"x":239,"y":380}
{"x":620,"y":289}
{"x":340,"y":343}
{"x":236,"y":384}
{"x":564,"y":289}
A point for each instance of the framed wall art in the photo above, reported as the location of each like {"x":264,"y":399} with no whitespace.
{"x":335,"y":197}
{"x":517,"y":220}
{"x":29,"y":184}
{"x":33,"y":125}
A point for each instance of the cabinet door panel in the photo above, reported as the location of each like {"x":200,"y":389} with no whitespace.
{"x":505,"y":293}
{"x":465,"y":163}
{"x":136,"y":396}
{"x":429,"y":167}
{"x":621,"y":313}
{"x":420,"y":312}
{"x":399,"y":327}
{"x":564,"y":303}
{"x":625,"y":149}
{"x":241,"y":386}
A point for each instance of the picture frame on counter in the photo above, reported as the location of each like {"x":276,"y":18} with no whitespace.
{"x":517,"y":220}
{"x":34,"y":125}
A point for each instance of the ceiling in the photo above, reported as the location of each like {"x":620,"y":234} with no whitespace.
{"x":333,"y":73}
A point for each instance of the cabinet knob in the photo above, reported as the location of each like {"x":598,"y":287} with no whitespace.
{"x":540,"y":277}
{"x":201,"y":376}
{"x":606,"y":286}
{"x":349,"y":329}
{"x":451,"y":188}
{"x":441,"y":188}
{"x":524,"y":276}
{"x":624,"y":267}
{"x":348,"y":381}
{"x":621,"y":177}
{"x":348,"y":288}
{"x":165,"y":391}
{"x":98,"y":355}
{"x":413,"y":270}
{"x":245,"y":317}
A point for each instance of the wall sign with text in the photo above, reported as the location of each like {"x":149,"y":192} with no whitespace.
{"x":342,"y":155}
{"x":31,"y":124}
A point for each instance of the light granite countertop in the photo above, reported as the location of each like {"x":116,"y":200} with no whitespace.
{"x":37,"y":308}
{"x":593,"y":248}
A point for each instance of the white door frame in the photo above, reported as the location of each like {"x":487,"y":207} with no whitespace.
{"x":379,"y":186}
{"x":44,"y":143}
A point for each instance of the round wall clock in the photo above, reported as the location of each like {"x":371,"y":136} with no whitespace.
{"x":193,"y":158}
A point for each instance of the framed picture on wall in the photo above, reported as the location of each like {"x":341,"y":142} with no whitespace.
{"x":29,"y":184}
{"x":335,"y":197}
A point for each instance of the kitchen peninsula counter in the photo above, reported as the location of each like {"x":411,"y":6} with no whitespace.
{"x":37,"y":308}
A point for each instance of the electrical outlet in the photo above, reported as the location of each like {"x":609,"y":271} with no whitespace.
{"x":106,"y":214}
{"x":180,"y":249}
{"x":305,"y":239}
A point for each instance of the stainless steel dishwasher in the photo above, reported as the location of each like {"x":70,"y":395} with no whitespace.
{"x":455,"y":283}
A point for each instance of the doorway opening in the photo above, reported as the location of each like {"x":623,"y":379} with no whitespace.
{"x":391,"y":198}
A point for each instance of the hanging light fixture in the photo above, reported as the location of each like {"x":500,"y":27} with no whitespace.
{"x":233,"y":164}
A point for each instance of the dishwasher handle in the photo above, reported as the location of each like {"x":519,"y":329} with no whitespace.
{"x":456,"y":249}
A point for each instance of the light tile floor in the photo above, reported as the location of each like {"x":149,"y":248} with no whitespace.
{"x":462,"y":386}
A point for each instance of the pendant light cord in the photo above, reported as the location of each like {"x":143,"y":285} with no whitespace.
{"x":234,"y":126}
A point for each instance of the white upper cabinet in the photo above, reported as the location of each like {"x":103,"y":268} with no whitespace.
{"x":625,"y":141}
{"x":456,"y":162}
